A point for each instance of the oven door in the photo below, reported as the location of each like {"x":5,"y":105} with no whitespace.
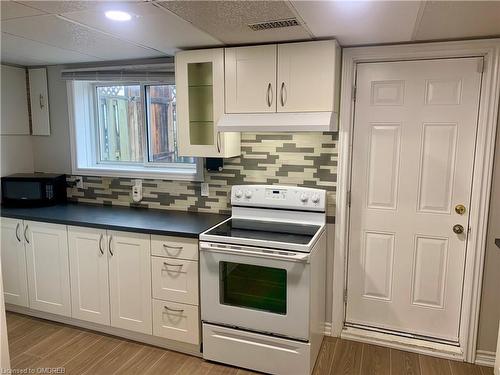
{"x":257,"y":289}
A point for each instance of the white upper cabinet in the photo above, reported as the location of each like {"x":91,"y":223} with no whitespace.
{"x":88,"y":261}
{"x":130,"y":281}
{"x":306,"y":76}
{"x":283,"y":87}
{"x":15,"y":282}
{"x":250,"y":75}
{"x":199,"y":77}
{"x":39,"y":98}
{"x":48,"y":267}
{"x":14,"y":95}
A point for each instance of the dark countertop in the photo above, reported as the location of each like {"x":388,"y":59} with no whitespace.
{"x":163,"y":222}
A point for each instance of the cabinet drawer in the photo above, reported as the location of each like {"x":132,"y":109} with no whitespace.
{"x":175,"y":280}
{"x":176,"y":321}
{"x":174,"y":247}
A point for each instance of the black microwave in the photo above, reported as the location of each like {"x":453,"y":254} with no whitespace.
{"x":33,"y":189}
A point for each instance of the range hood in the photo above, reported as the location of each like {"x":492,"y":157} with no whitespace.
{"x":278,"y":122}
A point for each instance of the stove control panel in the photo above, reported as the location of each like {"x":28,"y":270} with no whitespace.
{"x":283,"y":197}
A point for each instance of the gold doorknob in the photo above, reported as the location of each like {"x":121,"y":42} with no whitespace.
{"x":458,"y":229}
{"x":460,"y":209}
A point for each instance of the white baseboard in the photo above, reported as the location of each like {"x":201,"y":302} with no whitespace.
{"x":328,"y":329}
{"x":135,"y":336}
{"x":485,"y":358}
{"x":403,"y":343}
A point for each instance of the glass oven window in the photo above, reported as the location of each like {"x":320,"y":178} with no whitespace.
{"x":253,"y":287}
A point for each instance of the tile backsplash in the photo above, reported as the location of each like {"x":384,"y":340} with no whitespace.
{"x":299,"y":159}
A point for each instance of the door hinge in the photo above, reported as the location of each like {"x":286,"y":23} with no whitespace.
{"x":349,"y":198}
{"x":345,"y":295}
{"x":354,"y":93}
{"x":480,"y":65}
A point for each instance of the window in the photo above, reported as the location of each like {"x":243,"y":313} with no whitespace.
{"x":128,"y":129}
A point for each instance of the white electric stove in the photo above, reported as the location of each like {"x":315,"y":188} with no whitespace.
{"x":263,"y":280}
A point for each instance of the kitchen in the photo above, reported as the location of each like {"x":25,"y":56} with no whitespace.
{"x":221,"y":183}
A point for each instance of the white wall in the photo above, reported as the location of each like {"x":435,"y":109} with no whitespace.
{"x":490,"y":300}
{"x":52,"y":153}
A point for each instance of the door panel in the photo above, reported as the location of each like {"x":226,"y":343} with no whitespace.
{"x":250,"y":79}
{"x":15,"y":279}
{"x":413,"y":152}
{"x":383,"y":166}
{"x":88,"y":262}
{"x":48,"y":267}
{"x":130,"y":281}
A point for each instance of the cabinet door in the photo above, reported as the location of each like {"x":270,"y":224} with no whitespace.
{"x":48,"y":267}
{"x":250,"y":77}
{"x":130,"y":281}
{"x":88,"y":264}
{"x":15,"y":282}
{"x":175,"y":280}
{"x":14,"y":99}
{"x":306,"y":76}
{"x":39,"y":98}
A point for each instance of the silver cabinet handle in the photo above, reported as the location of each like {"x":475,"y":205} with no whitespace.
{"x":172,"y":265}
{"x":173,"y":247}
{"x":41,"y":101}
{"x":17,"y":233}
{"x":25,"y":237}
{"x":218,"y":142}
{"x":109,"y":246}
{"x":174,"y":310}
{"x":269,"y":94}
{"x":282,"y":97}
{"x":100,"y":245}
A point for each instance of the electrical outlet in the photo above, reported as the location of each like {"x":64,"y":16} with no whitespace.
{"x":204,"y":189}
{"x":79,"y":182}
{"x":137,"y":191}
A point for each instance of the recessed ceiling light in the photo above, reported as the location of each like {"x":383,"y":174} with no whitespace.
{"x":118,"y":15}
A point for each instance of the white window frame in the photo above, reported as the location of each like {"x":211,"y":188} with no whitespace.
{"x":83,"y":119}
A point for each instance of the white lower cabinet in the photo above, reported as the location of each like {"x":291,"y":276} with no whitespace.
{"x":104,"y":277}
{"x":48,"y":267}
{"x":88,"y":260}
{"x":176,"y":321}
{"x":15,"y":282}
{"x":130,"y":281}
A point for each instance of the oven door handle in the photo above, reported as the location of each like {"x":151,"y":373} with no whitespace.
{"x":258,"y":252}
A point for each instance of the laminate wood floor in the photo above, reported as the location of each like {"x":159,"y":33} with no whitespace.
{"x":36,"y":343}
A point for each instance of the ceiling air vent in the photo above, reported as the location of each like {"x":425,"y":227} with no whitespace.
{"x":274,"y":24}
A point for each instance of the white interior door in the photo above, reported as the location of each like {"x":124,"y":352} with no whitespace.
{"x":48,"y":267}
{"x":130,"y":281}
{"x":88,"y":261}
{"x":413,"y":151}
{"x":15,"y":281}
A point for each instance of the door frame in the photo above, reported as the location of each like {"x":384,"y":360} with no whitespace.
{"x":481,"y":189}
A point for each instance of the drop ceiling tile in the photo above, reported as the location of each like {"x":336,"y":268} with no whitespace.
{"x":11,"y":9}
{"x":459,"y":19}
{"x":61,"y":6}
{"x":360,"y":22}
{"x":21,"y":51}
{"x":150,"y":26}
{"x":57,"y":32}
{"x":228,"y":20}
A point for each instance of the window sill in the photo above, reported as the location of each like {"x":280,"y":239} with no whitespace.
{"x":150,"y":173}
